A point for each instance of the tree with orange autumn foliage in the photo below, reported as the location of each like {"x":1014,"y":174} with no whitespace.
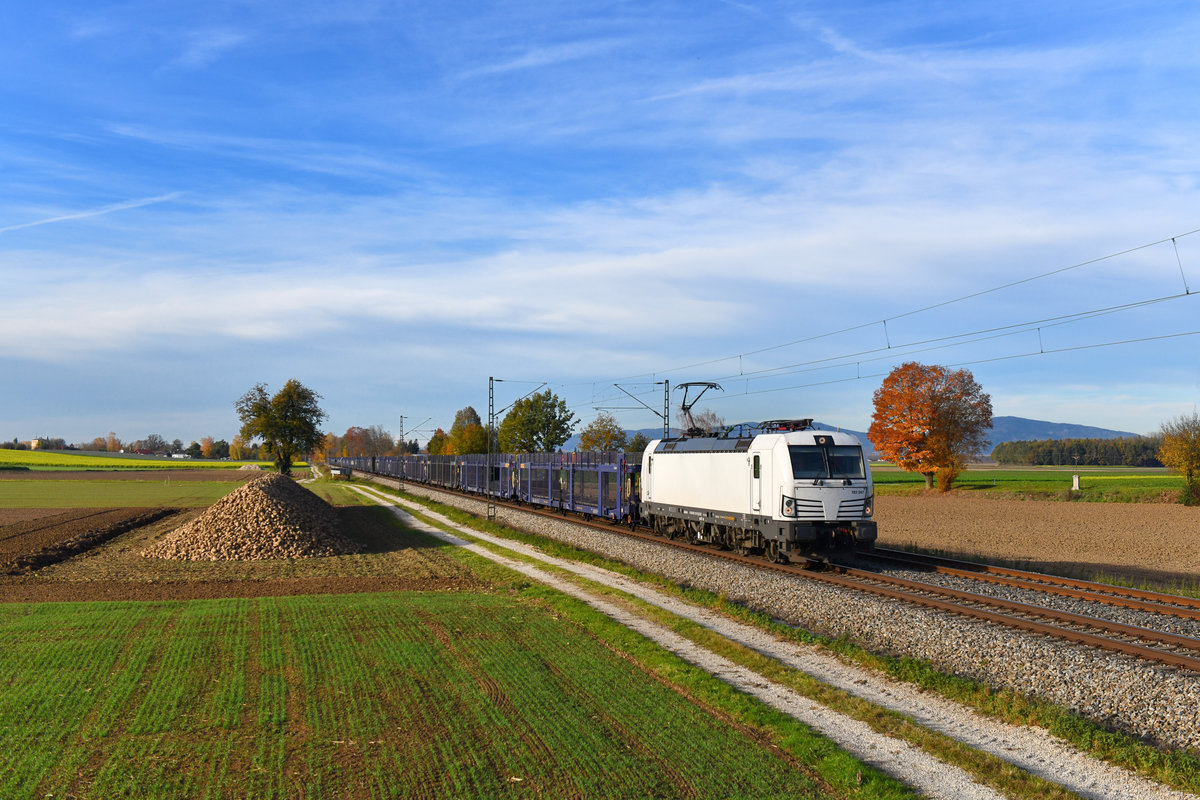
{"x":1180,"y":452}
{"x":437,"y":443}
{"x":930,"y":420}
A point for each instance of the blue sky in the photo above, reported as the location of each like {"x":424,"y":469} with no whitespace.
{"x":392,"y":202}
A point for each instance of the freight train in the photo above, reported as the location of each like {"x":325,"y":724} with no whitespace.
{"x":777,"y":488}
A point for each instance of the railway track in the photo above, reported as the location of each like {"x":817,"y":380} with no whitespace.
{"x":1139,"y":599}
{"x":1161,"y":646}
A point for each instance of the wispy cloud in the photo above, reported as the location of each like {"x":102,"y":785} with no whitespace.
{"x":205,"y":47}
{"x":547,"y":56}
{"x":843,"y":44}
{"x":96,"y":212}
{"x":330,"y":158}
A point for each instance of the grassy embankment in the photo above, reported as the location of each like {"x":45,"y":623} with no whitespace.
{"x":507,"y":691}
{"x":1096,"y":484}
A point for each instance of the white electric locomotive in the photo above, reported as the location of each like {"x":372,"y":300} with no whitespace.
{"x":779,"y":488}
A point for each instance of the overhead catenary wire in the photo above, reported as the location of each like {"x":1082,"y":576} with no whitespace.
{"x":892,"y":350}
{"x":941,"y":304}
{"x":1010,"y":357}
{"x":1179,"y":261}
{"x":966,"y":338}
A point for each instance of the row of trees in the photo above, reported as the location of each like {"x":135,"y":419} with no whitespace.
{"x":1141,"y":451}
{"x":540,"y":423}
{"x":154,"y":444}
{"x":357,"y":442}
{"x":927,"y":419}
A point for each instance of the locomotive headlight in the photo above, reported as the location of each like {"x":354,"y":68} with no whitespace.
{"x":789,"y":507}
{"x":869,"y":506}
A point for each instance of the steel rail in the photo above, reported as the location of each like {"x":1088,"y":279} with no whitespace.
{"x":922,"y":594}
{"x":1145,"y":599}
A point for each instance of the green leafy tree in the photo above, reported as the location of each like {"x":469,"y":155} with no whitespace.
{"x":637,"y":444}
{"x":1180,"y":452}
{"x":288,"y":422}
{"x":540,"y":423}
{"x":467,"y":434}
{"x":603,"y":433}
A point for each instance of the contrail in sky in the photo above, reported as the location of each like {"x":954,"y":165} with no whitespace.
{"x":95,"y":212}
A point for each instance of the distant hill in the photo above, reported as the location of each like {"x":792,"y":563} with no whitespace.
{"x":1019,"y":429}
{"x":1004,"y":429}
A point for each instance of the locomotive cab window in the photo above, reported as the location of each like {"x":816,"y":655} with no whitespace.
{"x":808,"y":461}
{"x":757,"y":467}
{"x":846,"y":461}
{"x":838,"y":461}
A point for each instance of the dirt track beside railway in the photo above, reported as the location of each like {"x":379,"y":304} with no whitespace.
{"x":1140,"y":540}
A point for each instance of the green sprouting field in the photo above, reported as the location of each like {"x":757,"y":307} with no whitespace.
{"x":66,"y":460}
{"x":369,"y":695}
{"x":96,"y":493}
{"x":1127,"y":484}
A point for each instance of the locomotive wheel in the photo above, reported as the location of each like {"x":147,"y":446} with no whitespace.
{"x":775,"y":554}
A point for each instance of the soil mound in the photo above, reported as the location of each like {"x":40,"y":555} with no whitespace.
{"x":251,"y":467}
{"x":268,"y":517}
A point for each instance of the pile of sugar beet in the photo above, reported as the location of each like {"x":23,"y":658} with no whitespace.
{"x":267,"y":517}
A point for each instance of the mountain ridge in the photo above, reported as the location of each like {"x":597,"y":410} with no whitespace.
{"x":1004,"y":429}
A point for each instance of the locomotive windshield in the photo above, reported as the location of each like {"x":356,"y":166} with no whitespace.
{"x":838,"y":461}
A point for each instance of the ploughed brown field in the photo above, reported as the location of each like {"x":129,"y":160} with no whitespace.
{"x":1141,"y":541}
{"x":29,"y":541}
{"x":96,"y":554}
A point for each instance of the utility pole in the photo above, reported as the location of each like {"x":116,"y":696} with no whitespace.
{"x":400,"y":450}
{"x":491,"y":500}
{"x":492,"y":435}
{"x":666,"y":410}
